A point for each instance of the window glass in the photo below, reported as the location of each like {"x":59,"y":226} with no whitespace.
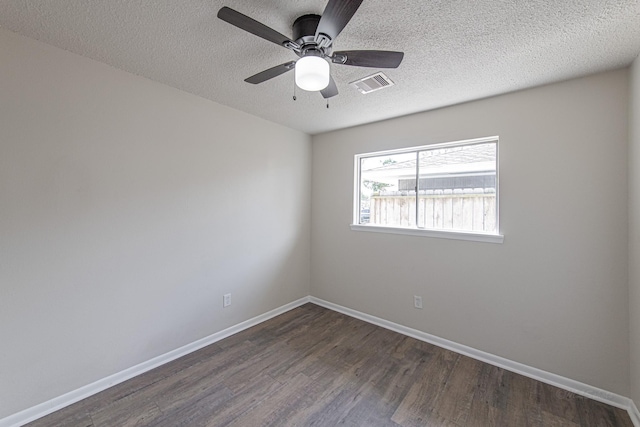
{"x":449,"y":187}
{"x":457,"y":188}
{"x":381,"y":200}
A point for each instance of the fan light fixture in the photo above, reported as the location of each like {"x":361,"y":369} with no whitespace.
{"x":312,"y":41}
{"x":312,"y":73}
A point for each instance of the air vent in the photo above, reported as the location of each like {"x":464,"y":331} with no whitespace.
{"x":372,"y":83}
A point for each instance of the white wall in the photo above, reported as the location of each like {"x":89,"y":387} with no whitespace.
{"x":634,"y":229}
{"x":127,"y":209}
{"x":554,"y":295}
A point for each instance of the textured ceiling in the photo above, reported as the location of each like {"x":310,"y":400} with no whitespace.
{"x":455,"y":50}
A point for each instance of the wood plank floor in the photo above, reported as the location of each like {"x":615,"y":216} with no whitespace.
{"x":315,"y":367}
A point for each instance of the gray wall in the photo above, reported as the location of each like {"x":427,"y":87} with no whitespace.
{"x":554,"y":294}
{"x":127,"y":209}
{"x":634,"y":229}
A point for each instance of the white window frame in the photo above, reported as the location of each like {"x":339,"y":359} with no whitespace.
{"x":415,"y":231}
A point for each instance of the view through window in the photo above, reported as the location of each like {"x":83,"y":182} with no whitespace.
{"x":449,"y":186}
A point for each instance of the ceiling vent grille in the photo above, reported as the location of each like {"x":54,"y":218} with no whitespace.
{"x":372,"y":83}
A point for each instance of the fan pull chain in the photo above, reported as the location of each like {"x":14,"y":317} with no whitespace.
{"x":327,"y":102}
{"x":294,"y":90}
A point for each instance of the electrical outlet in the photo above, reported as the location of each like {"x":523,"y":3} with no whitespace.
{"x":226,"y":300}
{"x":417,"y":302}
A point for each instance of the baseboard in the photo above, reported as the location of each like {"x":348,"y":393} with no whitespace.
{"x":519,"y":368}
{"x":634,"y":414}
{"x":39,"y":411}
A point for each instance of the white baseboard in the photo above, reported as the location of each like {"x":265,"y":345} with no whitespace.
{"x":634,"y":414}
{"x":38,"y":411}
{"x":519,"y":368}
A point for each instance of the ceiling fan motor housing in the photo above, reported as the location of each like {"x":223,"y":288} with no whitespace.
{"x":304,"y":28}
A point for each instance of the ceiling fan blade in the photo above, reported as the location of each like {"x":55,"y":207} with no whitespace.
{"x":251,"y":25}
{"x":271,"y":73}
{"x":331,"y":90}
{"x":368,"y":58}
{"x":335,"y":17}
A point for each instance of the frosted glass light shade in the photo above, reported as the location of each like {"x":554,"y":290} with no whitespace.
{"x":312,"y":73}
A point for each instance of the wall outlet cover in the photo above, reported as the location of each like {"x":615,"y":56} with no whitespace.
{"x":417,"y":301}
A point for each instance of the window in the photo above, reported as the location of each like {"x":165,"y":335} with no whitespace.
{"x":442,"y":190}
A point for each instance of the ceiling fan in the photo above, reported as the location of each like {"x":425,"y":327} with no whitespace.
{"x":312,"y":41}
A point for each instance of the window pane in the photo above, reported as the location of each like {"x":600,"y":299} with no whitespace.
{"x":457,"y":188}
{"x":383,"y":201}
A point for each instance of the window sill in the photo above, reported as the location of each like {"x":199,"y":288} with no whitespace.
{"x":440,"y":234}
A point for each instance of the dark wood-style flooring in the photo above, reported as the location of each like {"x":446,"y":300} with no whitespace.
{"x":315,"y":367}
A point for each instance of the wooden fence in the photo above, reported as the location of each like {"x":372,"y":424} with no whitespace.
{"x":468,"y":209}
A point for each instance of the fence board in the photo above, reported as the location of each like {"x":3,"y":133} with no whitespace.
{"x":447,"y":215}
{"x":471,"y":212}
{"x":478,"y":213}
{"x":457,"y":213}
